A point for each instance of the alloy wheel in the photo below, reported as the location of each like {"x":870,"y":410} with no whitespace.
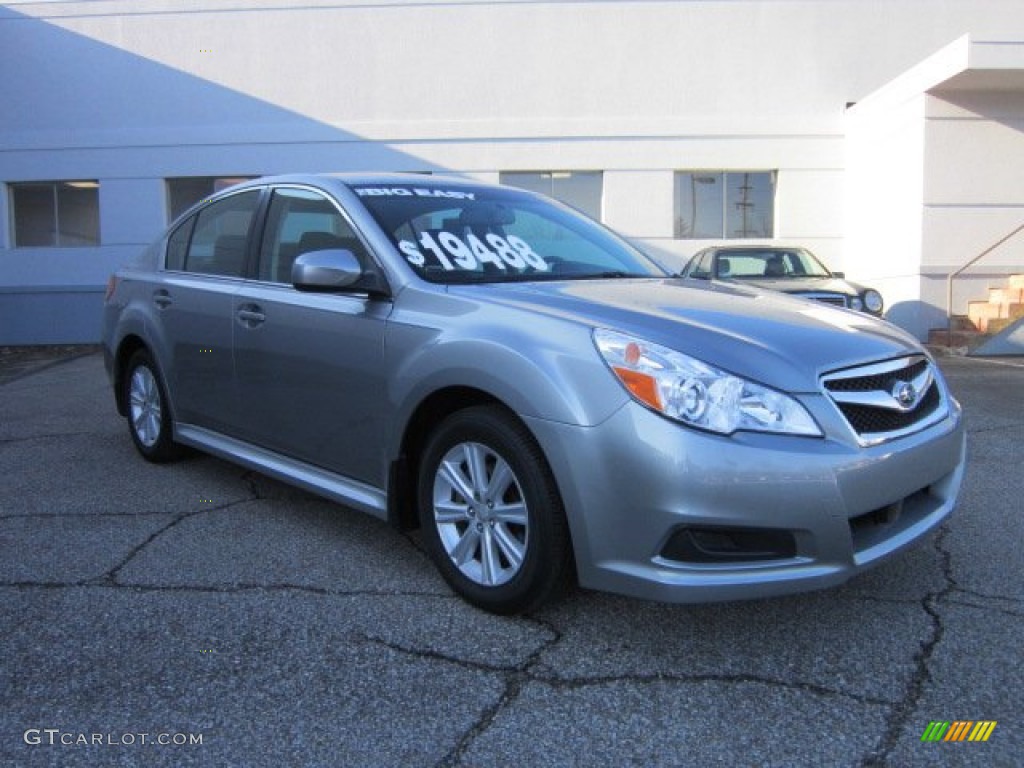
{"x":481,"y":515}
{"x":144,"y":406}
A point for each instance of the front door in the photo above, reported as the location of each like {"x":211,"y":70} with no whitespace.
{"x":310,"y":365}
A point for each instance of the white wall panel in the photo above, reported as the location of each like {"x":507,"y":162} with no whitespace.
{"x":975,"y":161}
{"x":340,"y":63}
{"x":132,"y":211}
{"x":810,"y":204}
{"x":952,"y":236}
{"x":639,"y":203}
{"x":884,"y":191}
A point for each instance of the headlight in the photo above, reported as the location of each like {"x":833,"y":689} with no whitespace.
{"x":856,"y":303}
{"x":695,"y":393}
{"x":873,"y":301}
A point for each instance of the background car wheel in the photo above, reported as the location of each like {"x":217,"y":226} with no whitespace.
{"x":491,"y":513}
{"x":149,"y":418}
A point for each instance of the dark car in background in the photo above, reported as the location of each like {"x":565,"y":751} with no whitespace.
{"x":781,"y":268}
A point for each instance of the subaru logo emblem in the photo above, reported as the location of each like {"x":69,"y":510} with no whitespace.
{"x":903,"y":392}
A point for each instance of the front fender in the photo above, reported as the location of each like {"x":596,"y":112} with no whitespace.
{"x":545,"y":369}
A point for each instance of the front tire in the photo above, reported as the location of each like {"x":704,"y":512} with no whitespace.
{"x":149,"y":417}
{"x":491,"y":513}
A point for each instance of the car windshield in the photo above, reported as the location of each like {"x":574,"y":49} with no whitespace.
{"x":771,"y":263}
{"x":455,"y":233}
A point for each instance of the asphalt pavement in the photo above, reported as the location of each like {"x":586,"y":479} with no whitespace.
{"x":198,"y":614}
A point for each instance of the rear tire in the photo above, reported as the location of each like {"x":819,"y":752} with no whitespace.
{"x":491,"y":513}
{"x":149,"y":416}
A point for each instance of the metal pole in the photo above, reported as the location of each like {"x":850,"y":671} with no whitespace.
{"x":952,"y":275}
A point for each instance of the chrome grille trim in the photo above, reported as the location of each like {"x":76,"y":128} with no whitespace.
{"x":887,"y":400}
{"x":835,"y":299}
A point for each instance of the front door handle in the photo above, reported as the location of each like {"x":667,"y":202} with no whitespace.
{"x":162,"y":299}
{"x":250,"y":315}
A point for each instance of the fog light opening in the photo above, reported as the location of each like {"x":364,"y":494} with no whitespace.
{"x":883,"y":517}
{"x":702,"y":544}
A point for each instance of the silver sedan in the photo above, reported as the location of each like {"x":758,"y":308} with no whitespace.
{"x":544,"y":402}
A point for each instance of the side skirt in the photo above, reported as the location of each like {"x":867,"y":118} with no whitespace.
{"x":344,"y":490}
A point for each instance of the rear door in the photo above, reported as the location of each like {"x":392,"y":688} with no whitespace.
{"x":206,"y":260}
{"x":310,"y":365}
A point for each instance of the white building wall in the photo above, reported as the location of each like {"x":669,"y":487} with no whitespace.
{"x":885,"y":160}
{"x":977,"y":160}
{"x":135,"y":91}
{"x":973,"y":195}
{"x":639,"y":203}
{"x":933,"y":175}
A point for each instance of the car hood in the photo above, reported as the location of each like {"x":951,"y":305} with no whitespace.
{"x":802,"y":285}
{"x":784,"y":342}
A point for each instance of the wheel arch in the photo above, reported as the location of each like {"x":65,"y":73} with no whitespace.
{"x":439,"y":379}
{"x":128,"y":346}
{"x":428,"y":413}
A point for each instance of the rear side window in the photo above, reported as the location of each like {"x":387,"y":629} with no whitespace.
{"x":301,"y":221}
{"x":177,"y":244}
{"x":219,"y":234}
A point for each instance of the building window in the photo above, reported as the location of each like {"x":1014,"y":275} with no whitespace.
{"x":62,"y":214}
{"x":724,"y":205}
{"x":580,"y":189}
{"x":186,"y":191}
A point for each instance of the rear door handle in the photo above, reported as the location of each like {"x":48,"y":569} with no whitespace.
{"x":250,"y":315}
{"x":162,"y":299}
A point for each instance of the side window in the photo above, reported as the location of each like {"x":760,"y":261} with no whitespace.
{"x":217,"y":246}
{"x":177,"y":244}
{"x":699,"y":266}
{"x":300,"y":221}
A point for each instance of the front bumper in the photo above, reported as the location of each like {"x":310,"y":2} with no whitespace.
{"x":663,"y":512}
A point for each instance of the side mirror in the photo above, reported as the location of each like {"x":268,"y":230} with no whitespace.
{"x":333,"y":269}
{"x":839,"y":275}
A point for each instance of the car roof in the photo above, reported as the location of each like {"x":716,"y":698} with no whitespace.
{"x":336,"y":180}
{"x":756,"y":247}
{"x":350,"y":178}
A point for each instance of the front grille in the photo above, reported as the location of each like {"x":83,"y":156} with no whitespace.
{"x":879,"y":381}
{"x":888,"y":399}
{"x":867,"y":420}
{"x":835,"y":299}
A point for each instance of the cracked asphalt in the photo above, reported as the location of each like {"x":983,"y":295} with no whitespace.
{"x":199,"y":599}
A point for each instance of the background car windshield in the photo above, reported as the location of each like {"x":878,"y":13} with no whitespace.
{"x":773,"y":264}
{"x":451,"y":234}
